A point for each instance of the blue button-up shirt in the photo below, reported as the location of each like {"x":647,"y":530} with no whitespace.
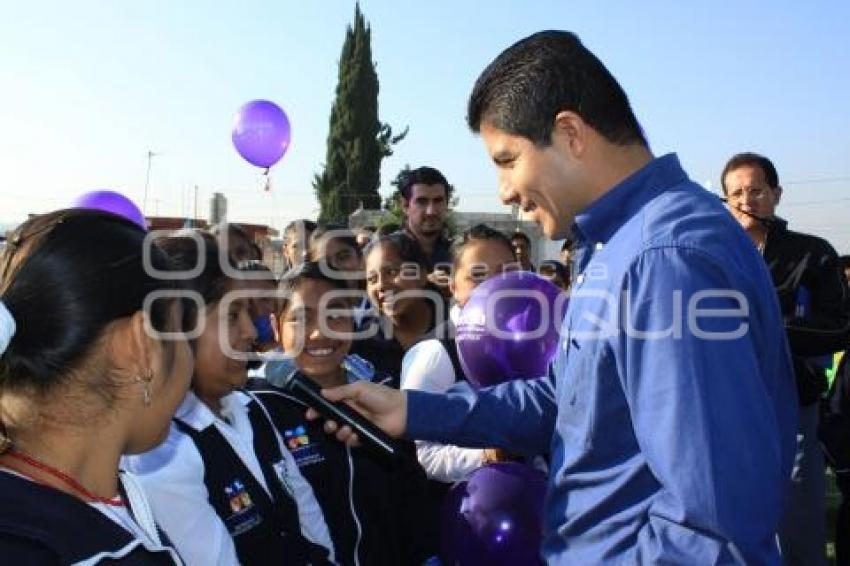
{"x":671,"y":424}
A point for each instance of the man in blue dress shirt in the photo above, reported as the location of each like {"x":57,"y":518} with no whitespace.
{"x":670,"y":409}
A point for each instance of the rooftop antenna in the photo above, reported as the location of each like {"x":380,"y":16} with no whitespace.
{"x":151,"y":155}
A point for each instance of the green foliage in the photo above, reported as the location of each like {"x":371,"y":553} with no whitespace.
{"x":357,"y":140}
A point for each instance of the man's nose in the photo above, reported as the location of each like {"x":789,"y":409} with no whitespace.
{"x":506,"y":194}
{"x":749,"y":200}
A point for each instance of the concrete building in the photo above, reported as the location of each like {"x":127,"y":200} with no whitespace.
{"x":218,"y":208}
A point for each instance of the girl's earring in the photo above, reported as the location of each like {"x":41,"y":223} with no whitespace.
{"x":145,"y":379}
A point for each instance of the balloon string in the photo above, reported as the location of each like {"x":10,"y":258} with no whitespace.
{"x":268,"y":186}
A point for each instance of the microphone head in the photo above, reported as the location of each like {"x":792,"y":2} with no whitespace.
{"x":280,"y":372}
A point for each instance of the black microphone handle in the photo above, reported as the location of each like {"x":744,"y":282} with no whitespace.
{"x":768,"y":222}
{"x":308,"y":391}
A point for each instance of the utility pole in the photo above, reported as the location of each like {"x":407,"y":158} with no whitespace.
{"x":195,"y":215}
{"x":151,"y":155}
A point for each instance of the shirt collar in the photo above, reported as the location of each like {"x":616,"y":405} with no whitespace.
{"x":442,"y":244}
{"x":356,"y":369}
{"x":454,"y":313}
{"x":599,"y":221}
{"x":197,"y":415}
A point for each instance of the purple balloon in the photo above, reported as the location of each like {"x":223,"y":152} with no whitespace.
{"x":261,"y":133}
{"x":509,"y":328}
{"x":494,"y":518}
{"x":115,"y":203}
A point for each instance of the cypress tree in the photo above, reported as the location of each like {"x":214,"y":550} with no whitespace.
{"x":357,"y":140}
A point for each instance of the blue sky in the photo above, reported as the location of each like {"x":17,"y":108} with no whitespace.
{"x":89,"y":87}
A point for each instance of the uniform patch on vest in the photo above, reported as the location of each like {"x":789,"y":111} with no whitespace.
{"x":245,"y":514}
{"x":304,"y":451}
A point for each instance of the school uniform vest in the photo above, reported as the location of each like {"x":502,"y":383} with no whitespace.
{"x":379,"y":512}
{"x":60,"y":525}
{"x":445,"y":334}
{"x":265,"y":528}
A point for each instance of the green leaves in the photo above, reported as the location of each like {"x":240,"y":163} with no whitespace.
{"x":357,"y":139}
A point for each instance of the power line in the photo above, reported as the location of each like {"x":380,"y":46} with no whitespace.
{"x":819,"y":180}
{"x":816,"y":202}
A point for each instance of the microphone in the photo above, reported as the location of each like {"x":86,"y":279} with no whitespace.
{"x":309,"y":392}
{"x":767,"y":222}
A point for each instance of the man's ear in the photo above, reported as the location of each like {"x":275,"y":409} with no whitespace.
{"x":570,"y":131}
{"x":405,"y":204}
{"x":777,"y":195}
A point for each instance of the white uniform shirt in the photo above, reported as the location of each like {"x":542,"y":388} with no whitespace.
{"x":172,"y":475}
{"x":427,"y":367}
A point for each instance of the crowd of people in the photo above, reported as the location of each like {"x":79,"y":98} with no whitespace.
{"x":142,"y":422}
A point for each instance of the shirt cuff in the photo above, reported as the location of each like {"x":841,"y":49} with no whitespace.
{"x":423,"y":410}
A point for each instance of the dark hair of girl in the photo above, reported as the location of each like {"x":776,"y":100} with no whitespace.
{"x":478,"y":233}
{"x":405,"y":246}
{"x":324,"y":234}
{"x":186,"y":252}
{"x":66,"y":275}
{"x":309,"y":271}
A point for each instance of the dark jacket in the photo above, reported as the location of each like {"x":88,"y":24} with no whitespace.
{"x":442,"y":249}
{"x":382,"y":349}
{"x":378,"y":511}
{"x":41,"y":525}
{"x":813,"y":298}
{"x":834,"y":429}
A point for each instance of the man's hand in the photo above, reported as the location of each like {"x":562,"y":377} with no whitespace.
{"x":384,"y":406}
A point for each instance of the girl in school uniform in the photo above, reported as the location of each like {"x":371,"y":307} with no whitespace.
{"x":433,"y":365}
{"x":223,"y":485}
{"x":83,"y":380}
{"x":408,"y":306}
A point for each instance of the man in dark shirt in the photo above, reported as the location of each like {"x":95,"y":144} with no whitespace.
{"x":425,"y":194}
{"x":813,"y":300}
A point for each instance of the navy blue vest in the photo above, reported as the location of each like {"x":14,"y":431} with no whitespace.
{"x":265,"y":530}
{"x":42,"y":525}
{"x":446,"y":334}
